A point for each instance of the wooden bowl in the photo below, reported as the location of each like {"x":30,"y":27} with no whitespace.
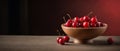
{"x":82,"y":35}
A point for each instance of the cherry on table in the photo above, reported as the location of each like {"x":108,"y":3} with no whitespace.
{"x":61,"y":41}
{"x":58,"y":39}
{"x":110,"y":40}
{"x":66,"y":38}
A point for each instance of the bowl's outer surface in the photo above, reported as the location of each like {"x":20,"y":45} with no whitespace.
{"x":84,"y":33}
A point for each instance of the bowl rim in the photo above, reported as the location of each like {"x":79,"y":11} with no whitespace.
{"x":105,"y":26}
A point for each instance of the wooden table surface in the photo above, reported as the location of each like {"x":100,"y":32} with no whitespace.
{"x":48,"y":43}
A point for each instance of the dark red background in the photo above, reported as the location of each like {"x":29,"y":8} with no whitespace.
{"x":107,"y":11}
{"x":41,"y":17}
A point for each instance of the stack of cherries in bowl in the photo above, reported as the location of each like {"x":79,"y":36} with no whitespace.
{"x":83,"y":22}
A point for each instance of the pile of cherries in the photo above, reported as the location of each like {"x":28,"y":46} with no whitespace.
{"x":62,"y":40}
{"x":84,"y":21}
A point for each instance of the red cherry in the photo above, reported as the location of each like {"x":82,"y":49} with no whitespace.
{"x":110,"y":41}
{"x":76,"y":19}
{"x":99,"y":24}
{"x":93,"y":19}
{"x":69,"y":20}
{"x":58,"y":39}
{"x":86,"y":18}
{"x":61,"y":41}
{"x":68,"y":23}
{"x":86,"y":24}
{"x":81,"y":19}
{"x":80,"y":24}
{"x":75,"y":24}
{"x":93,"y":24}
{"x":66,"y":38}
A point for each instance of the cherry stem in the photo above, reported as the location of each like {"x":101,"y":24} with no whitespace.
{"x":68,"y":15}
{"x":58,"y":32}
{"x":90,"y":13}
{"x":64,"y":19}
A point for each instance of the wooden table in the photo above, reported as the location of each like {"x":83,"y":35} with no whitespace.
{"x":48,"y":43}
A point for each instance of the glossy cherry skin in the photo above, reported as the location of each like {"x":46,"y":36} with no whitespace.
{"x":61,"y":41}
{"x":80,"y":24}
{"x":86,"y":19}
{"x":76,"y":19}
{"x":69,"y":20}
{"x":66,"y":38}
{"x":58,"y":39}
{"x":75,"y":24}
{"x":110,"y":40}
{"x":68,"y":23}
{"x":94,"y":20}
{"x":81,"y":19}
{"x":85,"y":24}
{"x":93,"y":24}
